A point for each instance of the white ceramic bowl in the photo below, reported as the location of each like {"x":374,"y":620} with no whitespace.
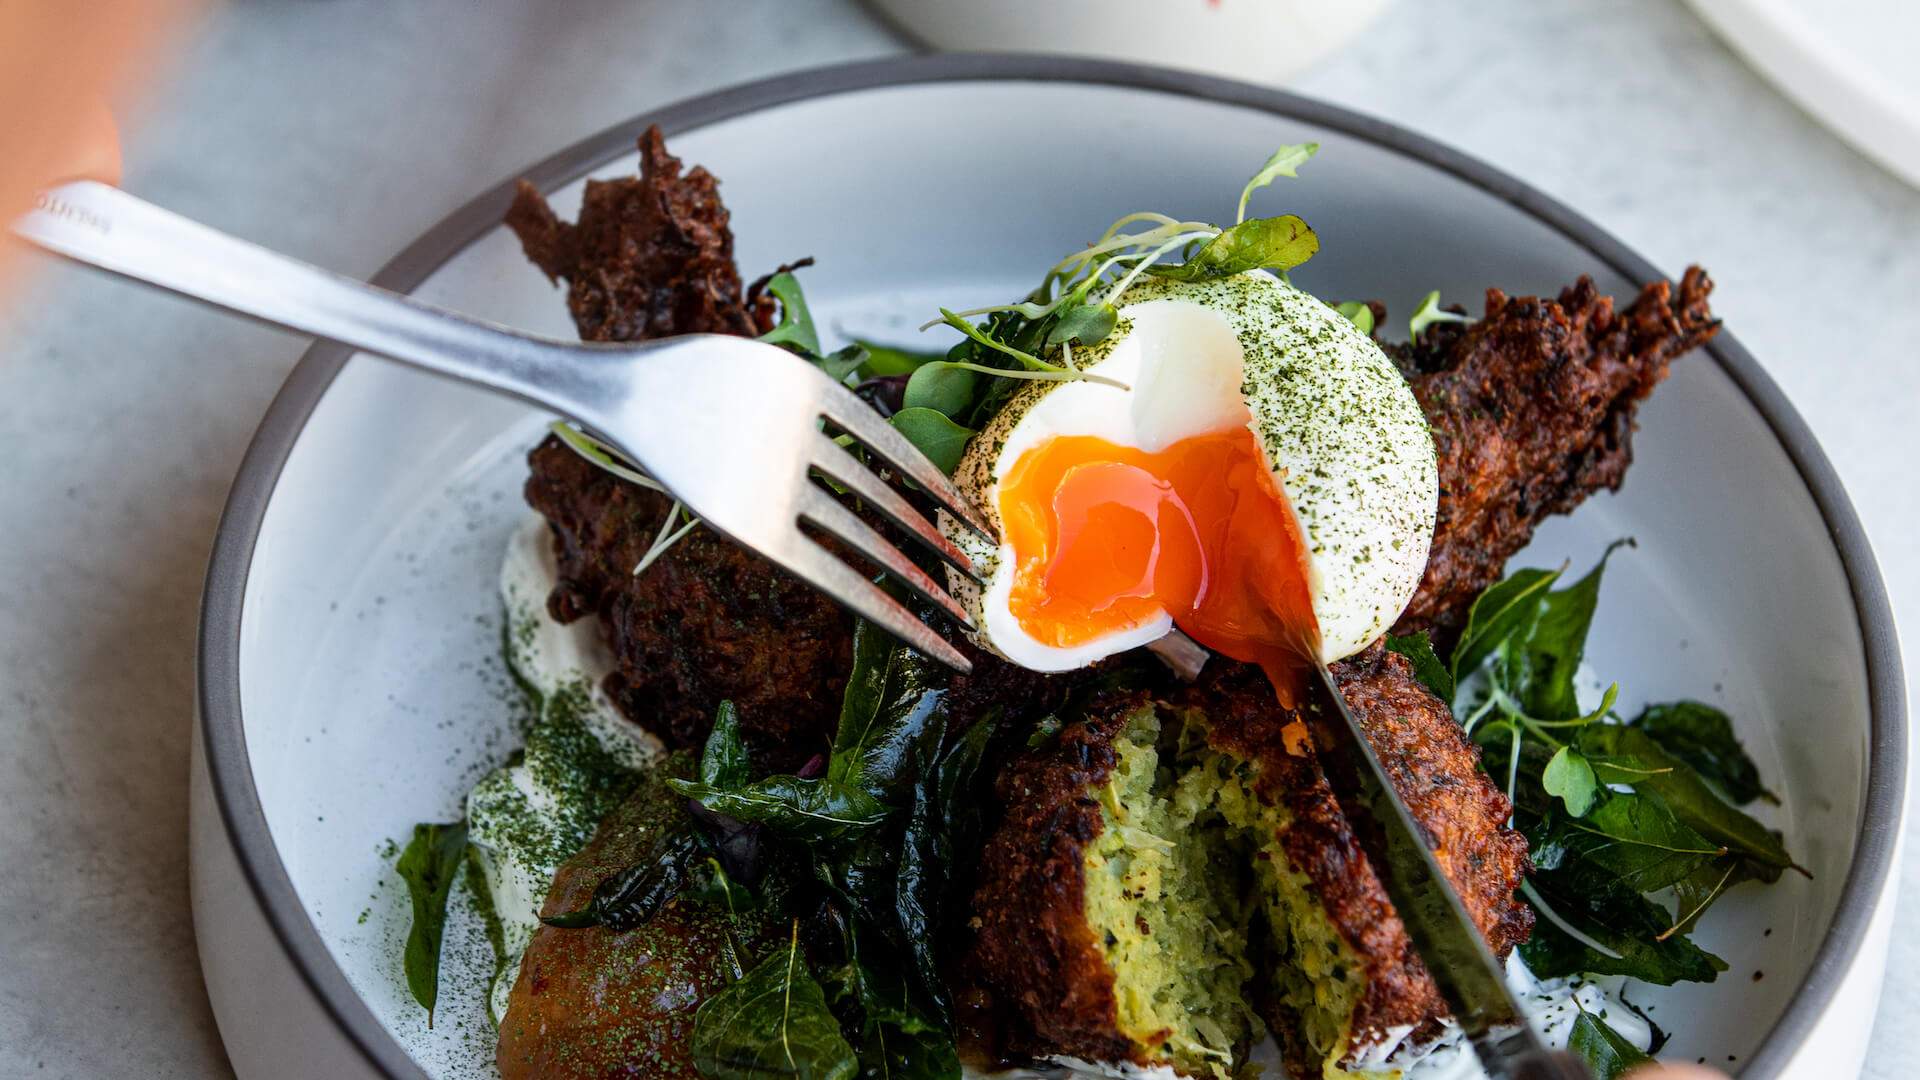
{"x":349,"y":676}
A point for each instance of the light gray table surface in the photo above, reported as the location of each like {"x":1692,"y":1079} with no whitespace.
{"x":338,"y":130}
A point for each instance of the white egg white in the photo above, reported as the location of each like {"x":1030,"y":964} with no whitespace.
{"x":1340,"y":428}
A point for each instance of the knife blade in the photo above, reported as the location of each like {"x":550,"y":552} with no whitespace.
{"x":1470,"y":978}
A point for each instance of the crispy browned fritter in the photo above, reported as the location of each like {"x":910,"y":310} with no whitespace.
{"x":590,"y":1003}
{"x":1039,"y":985}
{"x":1034,"y":981}
{"x":709,"y":621}
{"x":650,"y":256}
{"x":1532,"y":409}
{"x":1436,"y":770}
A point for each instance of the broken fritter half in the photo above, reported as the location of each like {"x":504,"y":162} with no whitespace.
{"x":1170,"y":876}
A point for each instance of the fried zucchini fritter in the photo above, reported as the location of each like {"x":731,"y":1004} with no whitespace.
{"x":1532,"y":409}
{"x":1107,"y":905}
{"x":709,"y":621}
{"x":591,"y":1003}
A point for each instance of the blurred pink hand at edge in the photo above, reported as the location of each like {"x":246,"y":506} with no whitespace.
{"x":60,"y":65}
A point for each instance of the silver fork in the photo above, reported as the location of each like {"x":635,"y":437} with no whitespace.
{"x":730,"y":426}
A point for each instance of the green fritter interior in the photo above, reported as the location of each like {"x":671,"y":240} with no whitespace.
{"x":1185,"y":888}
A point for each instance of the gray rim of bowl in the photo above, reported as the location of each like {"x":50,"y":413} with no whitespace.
{"x":219,"y":652}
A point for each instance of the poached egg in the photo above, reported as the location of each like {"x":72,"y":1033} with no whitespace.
{"x":1267,"y":483}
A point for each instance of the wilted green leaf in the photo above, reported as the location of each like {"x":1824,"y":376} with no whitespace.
{"x":774,"y":1023}
{"x":429,"y":864}
{"x":796,"y":322}
{"x":1702,"y":736}
{"x":1607,"y":1053}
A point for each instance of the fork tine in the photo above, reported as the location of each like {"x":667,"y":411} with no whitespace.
{"x":818,"y":567}
{"x":859,"y":420}
{"x":834,"y":460}
{"x":827,"y":512}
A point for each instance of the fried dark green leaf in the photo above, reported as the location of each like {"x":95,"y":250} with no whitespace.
{"x":1702,"y":736}
{"x":1607,"y":1053}
{"x":724,"y":763}
{"x":429,"y":865}
{"x":891,"y":694}
{"x":1629,"y":841}
{"x":809,"y":810}
{"x":1627,"y":755}
{"x":1544,"y":655}
{"x":1628,"y":925}
{"x":773,"y":1024}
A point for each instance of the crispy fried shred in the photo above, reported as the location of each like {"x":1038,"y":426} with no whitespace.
{"x":1532,"y":408}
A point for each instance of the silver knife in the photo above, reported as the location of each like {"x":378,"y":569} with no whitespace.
{"x":1469,"y":977}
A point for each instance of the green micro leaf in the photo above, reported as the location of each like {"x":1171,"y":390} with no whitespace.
{"x":724,"y":763}
{"x":1417,"y":647}
{"x":935,"y":435}
{"x":942,"y":387}
{"x":796,"y":322}
{"x":1429,"y":312}
{"x":429,"y":864}
{"x":774,"y":1022}
{"x":1275,"y":243}
{"x":1607,"y":1053}
{"x":1084,"y":324}
{"x":807,"y":810}
{"x":1702,"y":736}
{"x":1284,"y":162}
{"x":1568,"y":776}
{"x":848,"y":365}
{"x":1497,"y":614}
{"x":1357,"y":313}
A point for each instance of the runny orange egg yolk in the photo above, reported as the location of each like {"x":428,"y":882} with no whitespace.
{"x":1107,"y":537}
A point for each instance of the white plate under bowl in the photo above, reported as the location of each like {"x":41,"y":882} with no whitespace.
{"x":350,"y":684}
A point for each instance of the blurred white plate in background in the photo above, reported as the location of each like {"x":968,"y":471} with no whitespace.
{"x":1853,"y":64}
{"x":1265,"y":41}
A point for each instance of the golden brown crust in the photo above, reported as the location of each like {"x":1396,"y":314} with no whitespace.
{"x":708,"y":622}
{"x":1532,"y":409}
{"x":1435,"y":768}
{"x":651,"y":255}
{"x":1037,"y":982}
{"x":590,"y":1003}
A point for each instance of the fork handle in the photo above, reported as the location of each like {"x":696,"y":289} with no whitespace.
{"x":105,"y":227}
